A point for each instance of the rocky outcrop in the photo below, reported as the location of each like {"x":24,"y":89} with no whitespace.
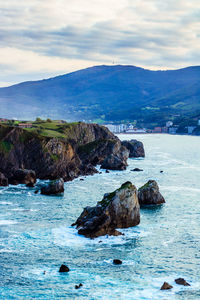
{"x":117,"y":262}
{"x":136,"y":148}
{"x":78,"y":286}
{"x":110,"y":154}
{"x":182,"y":281}
{"x":55,"y":187}
{"x":3,"y":180}
{"x":166,"y":286}
{"x":117,"y":160}
{"x":119,"y":209}
{"x":82,"y":147}
{"x":23,"y":176}
{"x":64,"y":269}
{"x":149,"y":194}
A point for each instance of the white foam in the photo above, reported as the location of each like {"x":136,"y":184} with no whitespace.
{"x":68,"y":236}
{"x":7,"y":222}
{"x":23,"y":209}
{"x":6,"y":251}
{"x":5,"y":203}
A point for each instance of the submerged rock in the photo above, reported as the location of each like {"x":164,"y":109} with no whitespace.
{"x":135,"y":147}
{"x":78,"y":286}
{"x":3,"y":180}
{"x":23,"y":176}
{"x":117,"y":262}
{"x":166,"y":286}
{"x":54,"y":187}
{"x":182,"y":281}
{"x":137,"y":170}
{"x":64,"y":269}
{"x":149,"y":194}
{"x":119,"y":209}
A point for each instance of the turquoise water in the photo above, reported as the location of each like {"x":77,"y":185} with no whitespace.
{"x":36,"y":236}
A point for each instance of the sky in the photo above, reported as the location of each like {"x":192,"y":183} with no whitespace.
{"x":45,"y":38}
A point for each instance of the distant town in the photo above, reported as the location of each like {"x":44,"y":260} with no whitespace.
{"x":169,"y":127}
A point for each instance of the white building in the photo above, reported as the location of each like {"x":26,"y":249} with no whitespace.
{"x":118,"y":128}
{"x":169,"y":123}
{"x":136,"y":130}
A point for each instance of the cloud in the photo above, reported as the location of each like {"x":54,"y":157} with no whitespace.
{"x":47,"y":37}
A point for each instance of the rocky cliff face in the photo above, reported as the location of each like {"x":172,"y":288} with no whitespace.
{"x":82,"y":147}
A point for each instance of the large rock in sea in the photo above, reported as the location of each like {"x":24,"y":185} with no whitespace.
{"x":54,"y":187}
{"x":135,"y":147}
{"x":3,"y":180}
{"x":23,"y":176}
{"x":149,"y":194}
{"x":119,"y":209}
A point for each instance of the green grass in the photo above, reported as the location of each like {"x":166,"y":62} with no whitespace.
{"x":51,"y":133}
{"x":106,"y":200}
{"x":5,"y":147}
{"x":52,"y":129}
{"x":47,"y":125}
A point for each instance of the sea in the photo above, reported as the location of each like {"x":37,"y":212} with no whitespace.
{"x":36,"y":235}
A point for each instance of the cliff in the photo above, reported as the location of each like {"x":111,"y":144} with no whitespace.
{"x":70,"y":150}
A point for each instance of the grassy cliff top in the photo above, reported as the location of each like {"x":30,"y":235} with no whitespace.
{"x":78,"y":132}
{"x":51,"y":129}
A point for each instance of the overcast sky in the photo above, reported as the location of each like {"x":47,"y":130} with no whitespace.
{"x":43,"y":38}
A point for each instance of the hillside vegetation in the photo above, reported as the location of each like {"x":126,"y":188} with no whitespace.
{"x":106,"y":93}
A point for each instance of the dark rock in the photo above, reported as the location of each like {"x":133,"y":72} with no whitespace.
{"x":149,"y":194}
{"x":54,"y":187}
{"x":119,"y":209}
{"x":161,"y":171}
{"x":23,"y":176}
{"x":182,"y":281}
{"x":135,"y":148}
{"x":166,"y":286}
{"x":114,"y":162}
{"x":36,"y":192}
{"x":63,"y":269}
{"x":137,"y":170}
{"x":3,"y":180}
{"x":30,"y":184}
{"x":78,"y":286}
{"x":107,"y":171}
{"x":81,"y":179}
{"x":117,"y":262}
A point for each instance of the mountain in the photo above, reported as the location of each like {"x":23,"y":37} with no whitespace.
{"x":106,"y":92}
